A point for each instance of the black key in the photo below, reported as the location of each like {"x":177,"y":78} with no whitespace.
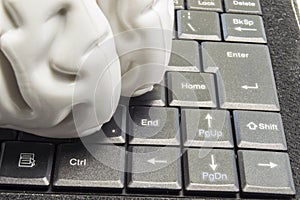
{"x":154,"y":168}
{"x":99,"y":166}
{"x":210,"y":170}
{"x":156,"y":97}
{"x":8,"y":134}
{"x":266,"y":172}
{"x":26,"y":164}
{"x":113,"y":131}
{"x":191,"y":89}
{"x":154,"y":126}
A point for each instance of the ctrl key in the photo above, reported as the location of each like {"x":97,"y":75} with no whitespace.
{"x":89,"y":167}
{"x":265,"y":173}
{"x":25,"y":164}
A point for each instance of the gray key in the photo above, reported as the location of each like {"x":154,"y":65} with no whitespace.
{"x":206,"y":128}
{"x":179,"y":4}
{"x":154,"y":168}
{"x":156,"y":97}
{"x":101,"y":166}
{"x":244,"y":75}
{"x":208,"y":5}
{"x":265,"y":172}
{"x":259,"y":130}
{"x":210,"y":170}
{"x":111,"y":132}
{"x":243,"y":28}
{"x":185,"y":56}
{"x":154,"y":126}
{"x":191,"y":89}
{"x":198,"y":25}
{"x":243,"y":6}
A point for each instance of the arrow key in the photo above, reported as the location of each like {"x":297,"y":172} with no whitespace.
{"x":210,"y":170}
{"x":265,"y":172}
{"x":206,"y":128}
{"x":154,"y":168}
{"x":243,"y":28}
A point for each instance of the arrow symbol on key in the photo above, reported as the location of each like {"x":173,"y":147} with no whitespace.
{"x":209,"y":119}
{"x":247,"y":87}
{"x":240,"y":29}
{"x":271,"y":165}
{"x":153,"y":161}
{"x":213,"y":165}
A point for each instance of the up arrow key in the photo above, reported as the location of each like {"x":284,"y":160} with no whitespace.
{"x":213,"y":165}
{"x":271,"y":165}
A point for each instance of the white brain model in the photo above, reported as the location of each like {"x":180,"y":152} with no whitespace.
{"x":64,"y":63}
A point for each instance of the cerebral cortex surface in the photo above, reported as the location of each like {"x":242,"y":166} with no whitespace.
{"x":63,"y":68}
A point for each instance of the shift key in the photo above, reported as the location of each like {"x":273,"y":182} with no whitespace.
{"x":244,"y":75}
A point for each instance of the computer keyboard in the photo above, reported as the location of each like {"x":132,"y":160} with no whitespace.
{"x":211,"y":128}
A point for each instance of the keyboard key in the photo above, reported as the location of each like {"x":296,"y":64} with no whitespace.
{"x":99,"y":166}
{"x":185,"y":56}
{"x":208,"y":5}
{"x":154,"y":168}
{"x":154,"y":126}
{"x":259,"y":130}
{"x":113,"y":131}
{"x":206,"y":128}
{"x":156,"y":97}
{"x":179,"y":4}
{"x":243,"y":28}
{"x":26,"y":164}
{"x":244,"y":75}
{"x":210,"y":170}
{"x":191,"y":89}
{"x":198,"y":25}
{"x":265,"y":172}
{"x":7,"y":134}
{"x":243,"y":6}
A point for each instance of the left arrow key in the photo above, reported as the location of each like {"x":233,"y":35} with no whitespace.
{"x":154,"y":168}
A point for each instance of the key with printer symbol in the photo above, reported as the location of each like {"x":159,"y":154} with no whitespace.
{"x":26,"y":160}
{"x":26,"y":164}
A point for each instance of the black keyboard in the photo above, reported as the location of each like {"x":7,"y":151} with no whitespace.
{"x":212,"y":128}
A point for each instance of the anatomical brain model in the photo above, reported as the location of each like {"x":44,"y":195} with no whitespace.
{"x":61,"y":57}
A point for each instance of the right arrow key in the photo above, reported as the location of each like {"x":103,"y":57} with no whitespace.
{"x":265,"y":172}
